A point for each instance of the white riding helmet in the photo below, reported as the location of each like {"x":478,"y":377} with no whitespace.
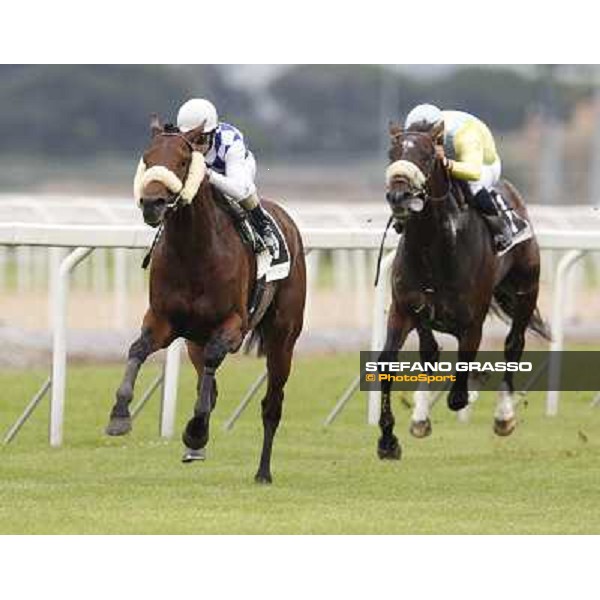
{"x":195,"y":112}
{"x":424,"y":113}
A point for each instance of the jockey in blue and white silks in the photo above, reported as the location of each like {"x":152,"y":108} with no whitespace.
{"x":231,"y":165}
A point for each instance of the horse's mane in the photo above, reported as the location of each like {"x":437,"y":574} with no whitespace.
{"x":419,"y":127}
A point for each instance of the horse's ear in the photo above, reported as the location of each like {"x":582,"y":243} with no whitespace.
{"x":437,"y":132}
{"x":395,"y":129}
{"x":195,"y":136}
{"x":155,"y":126}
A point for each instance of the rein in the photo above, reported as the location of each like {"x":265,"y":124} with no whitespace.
{"x":445,"y":196}
{"x":419,"y":193}
{"x":396,"y":139}
{"x":148,"y":254}
{"x":390,"y":220}
{"x":173,"y":204}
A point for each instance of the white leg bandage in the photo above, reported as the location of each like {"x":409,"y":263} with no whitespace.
{"x":422,"y":400}
{"x":505,"y":408}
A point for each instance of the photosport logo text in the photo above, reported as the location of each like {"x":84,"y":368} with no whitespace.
{"x":535,"y":371}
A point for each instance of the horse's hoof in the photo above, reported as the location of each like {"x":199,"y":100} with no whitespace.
{"x":458,"y":399}
{"x":263,"y":478}
{"x":504,"y":427}
{"x":389,"y":448}
{"x":118,"y":426}
{"x":193,"y":442}
{"x":191,"y":455}
{"x":420,"y":429}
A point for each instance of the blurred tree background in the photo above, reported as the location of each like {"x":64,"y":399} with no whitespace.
{"x":74,"y":114}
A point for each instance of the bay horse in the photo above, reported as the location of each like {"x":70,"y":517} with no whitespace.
{"x":201,"y":280}
{"x":446,"y":276}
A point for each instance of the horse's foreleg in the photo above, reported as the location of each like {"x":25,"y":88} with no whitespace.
{"x":505,"y":419}
{"x":226,"y":339}
{"x":156,"y":334}
{"x":468,"y":345}
{"x":420,"y":425}
{"x":197,"y":428}
{"x":399,"y":326}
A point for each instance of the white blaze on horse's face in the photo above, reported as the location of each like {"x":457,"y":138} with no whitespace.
{"x":186,"y":190}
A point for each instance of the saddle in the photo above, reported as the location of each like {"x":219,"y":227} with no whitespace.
{"x":268,"y":269}
{"x":238,"y":215}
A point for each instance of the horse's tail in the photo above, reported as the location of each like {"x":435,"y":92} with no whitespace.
{"x":256,"y":341}
{"x":503,"y":305}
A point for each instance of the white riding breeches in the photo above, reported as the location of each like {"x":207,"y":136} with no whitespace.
{"x":490,"y":176}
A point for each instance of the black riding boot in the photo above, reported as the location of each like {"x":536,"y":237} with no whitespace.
{"x":262,"y":224}
{"x":498,"y":225}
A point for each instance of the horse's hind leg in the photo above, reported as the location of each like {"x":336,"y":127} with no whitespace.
{"x":398,"y":327}
{"x":279,"y":362}
{"x":420,"y":424}
{"x":505,"y":419}
{"x":279,"y":330}
{"x":156,"y":334}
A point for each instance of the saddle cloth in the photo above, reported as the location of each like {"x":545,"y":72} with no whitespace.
{"x":268,"y":269}
{"x":520,"y":227}
{"x":274,"y":269}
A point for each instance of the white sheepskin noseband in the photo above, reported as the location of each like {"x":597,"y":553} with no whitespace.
{"x":406,"y":170}
{"x":187,"y":191}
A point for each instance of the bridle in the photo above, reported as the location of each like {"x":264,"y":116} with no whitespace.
{"x":422,"y":191}
{"x":187,"y":188}
{"x":175,"y":202}
{"x":419,"y":191}
{"x":181,"y":191}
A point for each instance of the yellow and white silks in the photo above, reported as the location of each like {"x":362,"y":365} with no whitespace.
{"x":469,"y":144}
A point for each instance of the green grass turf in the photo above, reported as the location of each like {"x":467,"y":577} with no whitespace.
{"x":543,"y":479}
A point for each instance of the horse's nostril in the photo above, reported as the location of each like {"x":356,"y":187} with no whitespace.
{"x":394,"y":197}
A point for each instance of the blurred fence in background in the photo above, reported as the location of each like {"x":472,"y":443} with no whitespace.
{"x":109,"y":290}
{"x":70,"y":138}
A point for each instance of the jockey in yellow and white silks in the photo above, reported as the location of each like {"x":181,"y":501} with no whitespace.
{"x":468,"y":150}
{"x":231,"y":165}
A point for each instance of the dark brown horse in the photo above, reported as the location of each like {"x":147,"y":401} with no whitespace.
{"x":446,"y":276}
{"x":201,"y":281}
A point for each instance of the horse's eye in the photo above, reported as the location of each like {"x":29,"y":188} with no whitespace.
{"x":182,"y":163}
